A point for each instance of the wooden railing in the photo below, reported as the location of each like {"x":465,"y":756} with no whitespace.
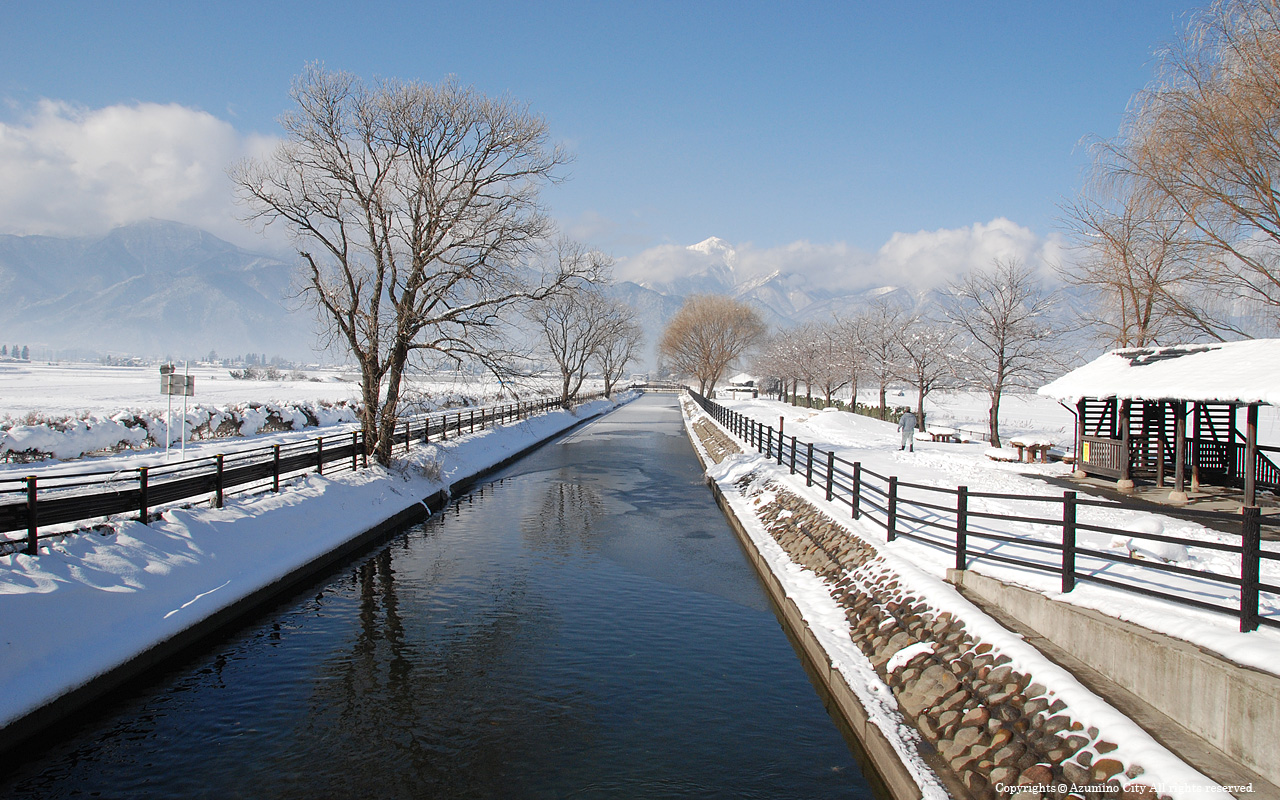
{"x":947,"y":518}
{"x":35,"y":502}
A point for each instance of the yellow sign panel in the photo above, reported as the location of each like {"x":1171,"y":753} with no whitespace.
{"x":1084,"y":451}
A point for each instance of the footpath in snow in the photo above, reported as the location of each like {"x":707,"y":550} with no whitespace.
{"x":91,"y":602}
{"x":875,"y":444}
{"x":966,"y":705}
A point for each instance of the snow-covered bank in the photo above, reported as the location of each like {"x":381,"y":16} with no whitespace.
{"x":90,"y":603}
{"x":881,"y":622}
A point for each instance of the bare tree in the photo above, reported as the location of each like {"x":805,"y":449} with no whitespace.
{"x":413,"y":208}
{"x":707,"y":335}
{"x":1003,"y":315}
{"x":571,"y":325}
{"x":619,"y":344}
{"x":927,"y":359}
{"x":880,"y":344}
{"x":1204,"y":138}
{"x":829,"y":364}
{"x":1133,"y":260}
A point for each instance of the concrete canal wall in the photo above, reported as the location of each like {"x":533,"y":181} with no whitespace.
{"x":988,"y":719}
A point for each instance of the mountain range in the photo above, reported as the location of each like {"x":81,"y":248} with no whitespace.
{"x":159,"y":288}
{"x":152,"y":288}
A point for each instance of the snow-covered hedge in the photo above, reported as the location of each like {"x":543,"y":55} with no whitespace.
{"x":35,"y":437}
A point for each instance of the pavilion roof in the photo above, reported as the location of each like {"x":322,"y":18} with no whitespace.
{"x":1240,"y":372}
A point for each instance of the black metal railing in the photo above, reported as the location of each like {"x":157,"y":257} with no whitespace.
{"x":35,"y":502}
{"x":949,"y":519}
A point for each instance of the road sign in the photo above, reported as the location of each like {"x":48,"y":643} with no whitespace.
{"x":180,"y":385}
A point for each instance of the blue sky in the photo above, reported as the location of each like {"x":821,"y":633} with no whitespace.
{"x":766,"y":124}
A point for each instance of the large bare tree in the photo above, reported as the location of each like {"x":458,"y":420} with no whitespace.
{"x":1132,"y":258}
{"x":1204,"y":138}
{"x":1008,"y":342}
{"x":414,"y":209}
{"x":708,"y":334}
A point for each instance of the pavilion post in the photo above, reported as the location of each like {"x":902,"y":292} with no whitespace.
{"x":1081,"y":407}
{"x":1196,"y":409}
{"x":1250,"y":454}
{"x":1179,"y":493}
{"x":1125,"y":482}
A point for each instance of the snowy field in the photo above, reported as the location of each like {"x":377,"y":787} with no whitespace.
{"x":875,"y":444}
{"x":69,"y":389}
{"x":70,"y":410}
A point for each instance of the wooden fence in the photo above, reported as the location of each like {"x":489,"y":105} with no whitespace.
{"x":947,"y":518}
{"x":33,"y":502}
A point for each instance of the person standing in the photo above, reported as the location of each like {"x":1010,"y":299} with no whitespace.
{"x":907,"y":424}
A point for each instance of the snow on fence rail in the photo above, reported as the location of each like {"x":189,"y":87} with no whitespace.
{"x":33,"y":502}
{"x":1064,"y":539}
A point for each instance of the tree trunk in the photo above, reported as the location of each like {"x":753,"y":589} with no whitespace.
{"x":993,"y":419}
{"x":884,"y":410}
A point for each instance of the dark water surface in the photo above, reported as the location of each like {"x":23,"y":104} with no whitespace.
{"x":586,"y":626}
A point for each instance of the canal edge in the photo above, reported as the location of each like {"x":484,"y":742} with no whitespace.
{"x":61,"y":708}
{"x":890,"y":774}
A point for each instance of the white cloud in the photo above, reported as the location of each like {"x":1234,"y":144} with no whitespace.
{"x":923,"y":260}
{"x":930,"y":259}
{"x":68,"y":170}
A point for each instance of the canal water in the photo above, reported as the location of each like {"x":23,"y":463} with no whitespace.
{"x":584,"y":626}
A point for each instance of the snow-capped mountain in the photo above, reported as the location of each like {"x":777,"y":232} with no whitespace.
{"x":150,"y":288}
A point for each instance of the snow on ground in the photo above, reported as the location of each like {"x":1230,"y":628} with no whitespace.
{"x":827,"y":620}
{"x":91,"y":601}
{"x":108,"y":397}
{"x":875,"y":444}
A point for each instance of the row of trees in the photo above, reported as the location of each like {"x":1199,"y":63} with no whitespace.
{"x":992,"y":333}
{"x":22,"y":353}
{"x":416,"y":216}
{"x":1179,"y":230}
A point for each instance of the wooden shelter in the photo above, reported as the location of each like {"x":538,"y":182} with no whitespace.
{"x":1186,"y":413}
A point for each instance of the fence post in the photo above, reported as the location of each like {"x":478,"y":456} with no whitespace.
{"x":364,"y":451}
{"x":32,"y":536}
{"x":855,"y":502}
{"x":892,"y":514}
{"x":808,"y":466}
{"x":1250,"y":547}
{"x":217,"y":484}
{"x":142,"y":495}
{"x":319,"y":455}
{"x":355,"y":447}
{"x":1068,"y":541}
{"x":444,"y":427}
{"x":962,"y":526}
{"x":831,"y":471}
{"x":275,"y":468}
{"x":407,"y":436}
{"x":793,"y":455}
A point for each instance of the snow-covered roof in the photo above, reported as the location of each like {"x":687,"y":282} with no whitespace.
{"x":1244,"y":372}
{"x":742,"y":379}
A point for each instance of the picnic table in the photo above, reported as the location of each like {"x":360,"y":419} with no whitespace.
{"x":939,"y":433}
{"x":1032,"y":448}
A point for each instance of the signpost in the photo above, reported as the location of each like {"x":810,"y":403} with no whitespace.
{"x":172,"y":384}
